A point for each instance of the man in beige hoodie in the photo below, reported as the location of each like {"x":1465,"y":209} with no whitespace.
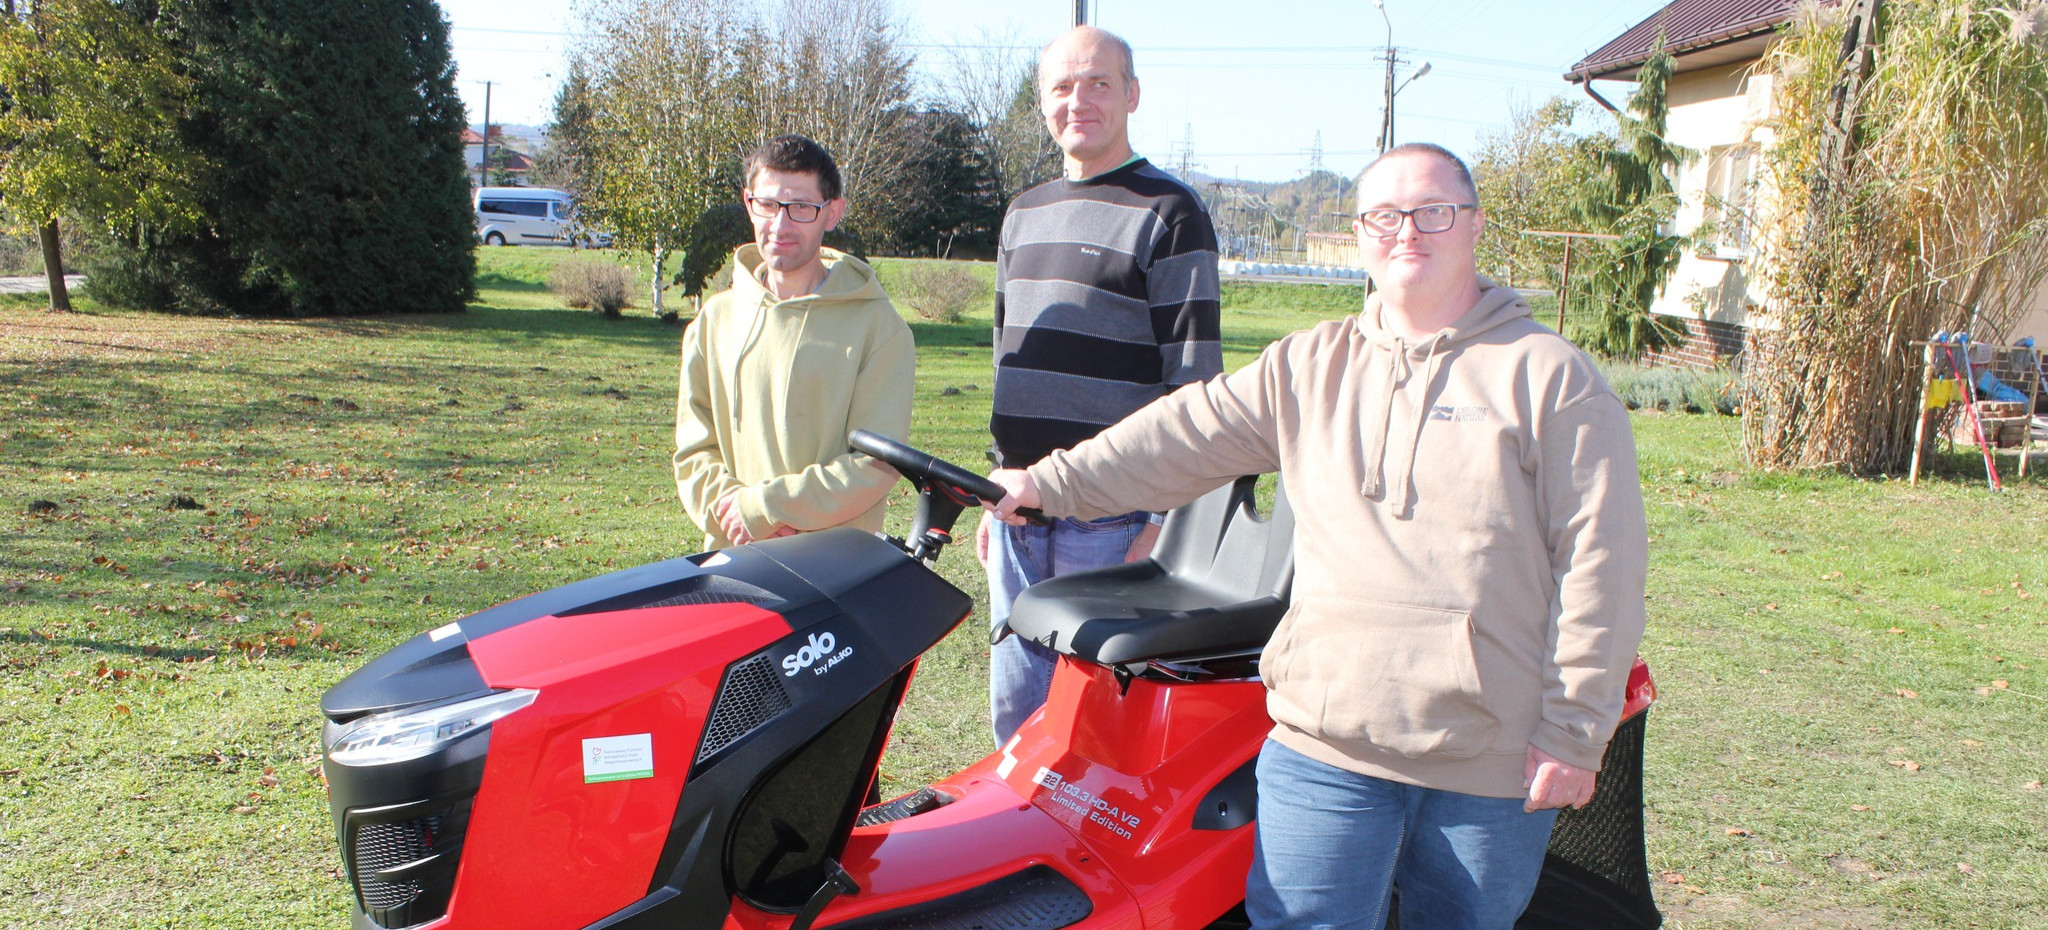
{"x":1470,"y":552}
{"x":804,"y":348}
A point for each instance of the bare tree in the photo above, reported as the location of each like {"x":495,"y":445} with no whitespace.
{"x":673,"y":92}
{"x":837,"y":73}
{"x":993,"y":80}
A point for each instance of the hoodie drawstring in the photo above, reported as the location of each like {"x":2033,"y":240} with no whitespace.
{"x":1382,"y":418}
{"x":1405,"y":485}
{"x":1381,"y":424}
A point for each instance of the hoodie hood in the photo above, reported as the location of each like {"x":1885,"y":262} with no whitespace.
{"x":849,"y":283}
{"x":846,"y":278}
{"x":1411,"y":369}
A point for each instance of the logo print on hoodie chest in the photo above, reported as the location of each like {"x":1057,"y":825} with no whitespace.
{"x":1458,"y":414}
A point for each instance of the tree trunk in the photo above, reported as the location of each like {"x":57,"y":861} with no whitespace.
{"x":660,"y":260}
{"x":53,"y":266}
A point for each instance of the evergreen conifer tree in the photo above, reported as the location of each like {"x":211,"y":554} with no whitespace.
{"x":341,"y":187}
{"x":1633,"y":199}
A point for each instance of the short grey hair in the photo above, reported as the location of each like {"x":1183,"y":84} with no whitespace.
{"x":1106,"y":37}
{"x":1425,"y":148}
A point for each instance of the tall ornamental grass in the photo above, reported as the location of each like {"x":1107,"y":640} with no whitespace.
{"x":1932,"y":220}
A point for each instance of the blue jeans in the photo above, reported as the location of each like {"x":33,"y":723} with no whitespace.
{"x":1332,"y":844}
{"x":1019,"y":672}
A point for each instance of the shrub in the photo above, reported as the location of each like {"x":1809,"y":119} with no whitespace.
{"x":941,"y":291}
{"x":1675,"y":390}
{"x":599,"y":286}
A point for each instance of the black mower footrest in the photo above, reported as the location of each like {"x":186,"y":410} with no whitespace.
{"x":909,"y":805}
{"x":1037,"y":898}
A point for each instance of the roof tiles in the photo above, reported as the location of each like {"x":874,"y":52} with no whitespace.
{"x":1685,"y":25}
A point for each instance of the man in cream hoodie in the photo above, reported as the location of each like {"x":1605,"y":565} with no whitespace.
{"x":803,"y":349}
{"x":1470,"y":552}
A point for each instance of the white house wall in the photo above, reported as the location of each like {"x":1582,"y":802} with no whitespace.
{"x":1711,"y":109}
{"x":1726,"y":106}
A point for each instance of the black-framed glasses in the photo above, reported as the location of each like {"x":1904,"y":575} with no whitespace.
{"x":801,"y":211}
{"x":1429,"y":218}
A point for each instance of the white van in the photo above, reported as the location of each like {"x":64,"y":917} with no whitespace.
{"x":530,"y":216}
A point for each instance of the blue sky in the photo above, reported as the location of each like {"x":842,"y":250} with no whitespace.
{"x":1250,"y":84}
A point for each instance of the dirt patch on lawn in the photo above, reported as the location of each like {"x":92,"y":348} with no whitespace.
{"x":1685,"y":910}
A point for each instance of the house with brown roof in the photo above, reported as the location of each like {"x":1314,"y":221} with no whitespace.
{"x":1719,"y":104}
{"x":516,"y":163}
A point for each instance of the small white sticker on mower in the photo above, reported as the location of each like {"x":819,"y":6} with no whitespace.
{"x":443,"y":632}
{"x":618,"y":758}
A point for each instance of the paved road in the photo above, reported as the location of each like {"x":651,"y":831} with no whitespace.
{"x":37,"y":284}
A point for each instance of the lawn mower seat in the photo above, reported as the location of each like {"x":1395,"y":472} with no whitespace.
{"x":1215,"y":587}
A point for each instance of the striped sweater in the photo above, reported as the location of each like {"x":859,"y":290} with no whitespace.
{"x":1106,"y":299}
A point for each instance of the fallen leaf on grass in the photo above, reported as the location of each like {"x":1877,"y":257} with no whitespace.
{"x":2034,"y":785}
{"x":1907,"y":764}
{"x":268,"y":781}
{"x":1896,"y":630}
{"x":1966,"y":868}
{"x":243,"y":809}
{"x":1859,"y":808}
{"x":1906,"y":693}
{"x":121,"y":709}
{"x":2001,"y":684}
{"x":1672,"y":878}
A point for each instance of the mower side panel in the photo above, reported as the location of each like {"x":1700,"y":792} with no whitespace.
{"x":643,"y":673}
{"x":1096,"y":761}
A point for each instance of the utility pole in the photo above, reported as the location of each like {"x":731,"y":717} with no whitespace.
{"x":1080,"y":12}
{"x":1387,"y":115}
{"x":1410,"y":79}
{"x":483,"y":164}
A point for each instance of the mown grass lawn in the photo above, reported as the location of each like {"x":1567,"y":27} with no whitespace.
{"x":208,"y":522}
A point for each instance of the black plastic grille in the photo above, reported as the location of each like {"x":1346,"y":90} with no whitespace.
{"x":709,"y":597}
{"x":381,"y":846}
{"x":1038,"y":898}
{"x":697,"y":589}
{"x":404,"y":870}
{"x":751,"y":695}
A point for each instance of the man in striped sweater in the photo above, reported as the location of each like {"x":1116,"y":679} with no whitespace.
{"x":1106,"y":299}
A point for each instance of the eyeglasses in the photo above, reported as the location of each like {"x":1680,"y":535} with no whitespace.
{"x":799,"y":210}
{"x":1429,"y":218}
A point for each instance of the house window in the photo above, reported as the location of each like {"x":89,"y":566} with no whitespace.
{"x":1727,"y":224}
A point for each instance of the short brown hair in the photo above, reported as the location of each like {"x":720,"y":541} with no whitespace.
{"x":795,"y":154}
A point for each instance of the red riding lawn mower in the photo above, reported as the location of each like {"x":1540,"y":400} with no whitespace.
{"x":688,"y":745}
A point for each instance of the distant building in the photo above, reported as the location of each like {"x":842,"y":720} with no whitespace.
{"x":1336,"y":249}
{"x":513,"y":162}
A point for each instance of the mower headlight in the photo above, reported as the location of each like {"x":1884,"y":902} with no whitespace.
{"x":410,"y":734}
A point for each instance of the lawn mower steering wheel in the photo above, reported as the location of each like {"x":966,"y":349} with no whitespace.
{"x":931,"y":473}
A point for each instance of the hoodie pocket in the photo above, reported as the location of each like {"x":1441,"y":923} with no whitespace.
{"x":1398,"y":677}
